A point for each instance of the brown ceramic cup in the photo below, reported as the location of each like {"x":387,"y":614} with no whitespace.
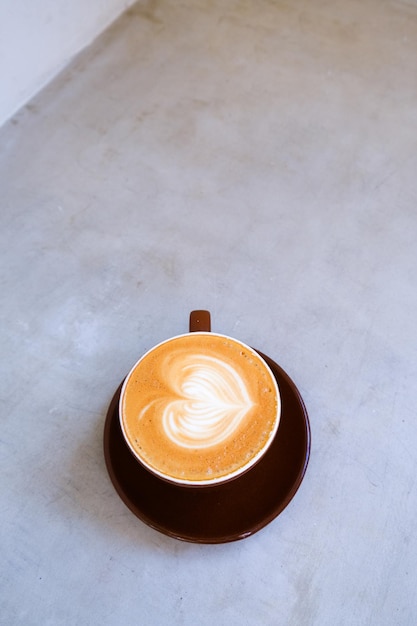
{"x":201,"y":408}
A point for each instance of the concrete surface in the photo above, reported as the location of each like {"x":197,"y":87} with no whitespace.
{"x":257,"y":159}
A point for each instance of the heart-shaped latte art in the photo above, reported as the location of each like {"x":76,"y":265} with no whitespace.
{"x":208,"y":402}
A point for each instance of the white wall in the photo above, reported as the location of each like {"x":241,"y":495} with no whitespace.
{"x":39,"y":37}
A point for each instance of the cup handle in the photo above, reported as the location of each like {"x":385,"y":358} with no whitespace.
{"x":200,"y":321}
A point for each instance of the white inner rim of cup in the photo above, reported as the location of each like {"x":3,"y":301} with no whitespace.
{"x":231,"y":475}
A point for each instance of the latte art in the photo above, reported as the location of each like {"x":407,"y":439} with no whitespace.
{"x":199,"y":408}
{"x":211,"y":401}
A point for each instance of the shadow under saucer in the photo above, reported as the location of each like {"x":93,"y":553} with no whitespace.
{"x":225,"y":512}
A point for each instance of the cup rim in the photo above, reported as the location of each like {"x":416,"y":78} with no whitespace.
{"x":184,"y":482}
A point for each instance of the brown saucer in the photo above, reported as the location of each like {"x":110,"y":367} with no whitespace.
{"x":220,"y":513}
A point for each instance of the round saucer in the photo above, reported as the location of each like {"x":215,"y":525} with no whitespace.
{"x":219,"y":513}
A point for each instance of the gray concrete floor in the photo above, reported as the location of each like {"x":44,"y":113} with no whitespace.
{"x":257,"y":159}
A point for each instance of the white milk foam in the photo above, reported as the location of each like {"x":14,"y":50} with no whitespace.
{"x":209,"y":401}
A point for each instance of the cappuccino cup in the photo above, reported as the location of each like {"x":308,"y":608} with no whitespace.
{"x":200,"y":408}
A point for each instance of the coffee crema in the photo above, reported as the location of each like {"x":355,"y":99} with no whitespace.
{"x":199,"y":407}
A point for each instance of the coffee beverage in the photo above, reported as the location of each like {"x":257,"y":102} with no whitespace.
{"x":199,"y":408}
